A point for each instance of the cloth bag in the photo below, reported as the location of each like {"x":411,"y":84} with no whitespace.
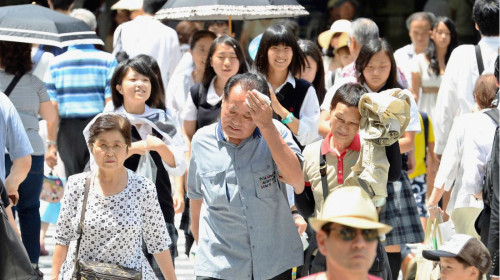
{"x":93,"y":270}
{"x":14,"y":261}
{"x":52,"y":189}
{"x":147,"y":167}
{"x":427,"y":269}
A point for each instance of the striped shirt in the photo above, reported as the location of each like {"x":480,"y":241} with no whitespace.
{"x":79,"y":80}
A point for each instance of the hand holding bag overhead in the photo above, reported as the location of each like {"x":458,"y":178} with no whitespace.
{"x":14,"y":261}
{"x":94,"y":270}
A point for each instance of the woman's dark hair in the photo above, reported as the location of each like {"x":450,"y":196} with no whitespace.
{"x":312,"y":50}
{"x":144,"y":65}
{"x":365,"y":55}
{"x":348,"y":94}
{"x":110,"y":122}
{"x":485,"y":14}
{"x":277,"y":35}
{"x":431,"y":53}
{"x":209,"y":73}
{"x":198,"y":35}
{"x":15,"y":57}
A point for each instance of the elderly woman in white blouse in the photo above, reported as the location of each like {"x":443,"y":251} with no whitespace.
{"x":122,"y":210}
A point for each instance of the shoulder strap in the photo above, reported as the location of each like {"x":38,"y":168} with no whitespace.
{"x":425,"y":119}
{"x":322,"y":172}
{"x":13,"y":83}
{"x":82,"y":217}
{"x":493,"y":114}
{"x":479,"y":59}
{"x":196,"y":92}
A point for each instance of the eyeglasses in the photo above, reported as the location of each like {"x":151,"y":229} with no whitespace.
{"x":115,"y":148}
{"x":349,"y":233}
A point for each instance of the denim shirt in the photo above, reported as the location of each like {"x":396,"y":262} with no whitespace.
{"x":246,"y":227}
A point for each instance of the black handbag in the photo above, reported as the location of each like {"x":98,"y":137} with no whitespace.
{"x":14,"y":261}
{"x":94,"y":270}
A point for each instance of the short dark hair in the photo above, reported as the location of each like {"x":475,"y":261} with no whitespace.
{"x":62,"y":4}
{"x":209,"y":23}
{"x":209,"y":73}
{"x":311,"y":49}
{"x":185,"y":29}
{"x":485,"y":91}
{"x":152,"y":6}
{"x":348,"y":94}
{"x":427,"y":16}
{"x":110,"y":122}
{"x":365,"y":55}
{"x":16,"y":57}
{"x":144,"y":65}
{"x":277,"y":35}
{"x":496,"y":68}
{"x":198,"y":35}
{"x":485,"y":15}
{"x":248,"y":81}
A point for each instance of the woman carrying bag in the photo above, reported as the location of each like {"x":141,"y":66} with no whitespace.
{"x":116,"y":208}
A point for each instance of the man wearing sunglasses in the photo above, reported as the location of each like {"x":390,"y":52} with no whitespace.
{"x":347,"y":231}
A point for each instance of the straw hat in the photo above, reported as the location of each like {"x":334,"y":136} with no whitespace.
{"x":349,"y":206}
{"x":342,"y":42}
{"x":340,"y":25}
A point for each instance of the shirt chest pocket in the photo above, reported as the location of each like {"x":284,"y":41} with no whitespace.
{"x":215,"y":189}
{"x":265,"y":179}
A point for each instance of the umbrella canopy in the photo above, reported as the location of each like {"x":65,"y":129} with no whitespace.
{"x":39,"y":25}
{"x":237,"y":9}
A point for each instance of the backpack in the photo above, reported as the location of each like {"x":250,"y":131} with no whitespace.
{"x":490,"y":179}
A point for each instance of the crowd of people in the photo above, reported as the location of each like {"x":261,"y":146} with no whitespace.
{"x":325,"y":159}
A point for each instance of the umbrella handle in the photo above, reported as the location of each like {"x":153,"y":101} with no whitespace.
{"x":230,"y":26}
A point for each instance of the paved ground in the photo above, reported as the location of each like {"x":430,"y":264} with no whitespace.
{"x":183,"y":265}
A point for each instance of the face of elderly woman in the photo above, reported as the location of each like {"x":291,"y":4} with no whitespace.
{"x":110,"y":149}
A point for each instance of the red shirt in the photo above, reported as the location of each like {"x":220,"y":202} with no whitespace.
{"x":322,"y":276}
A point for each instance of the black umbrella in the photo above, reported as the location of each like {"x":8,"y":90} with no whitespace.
{"x":230,"y":9}
{"x":39,"y":25}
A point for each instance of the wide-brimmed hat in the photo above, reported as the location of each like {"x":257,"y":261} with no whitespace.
{"x":340,"y":25}
{"x":468,"y":248}
{"x":131,"y":5}
{"x":342,"y":42}
{"x":349,"y":206}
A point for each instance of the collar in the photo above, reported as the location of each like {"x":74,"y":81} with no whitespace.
{"x":493,"y":41}
{"x":289,"y":79}
{"x":410,"y":50}
{"x":325,"y":145}
{"x":220,"y":134}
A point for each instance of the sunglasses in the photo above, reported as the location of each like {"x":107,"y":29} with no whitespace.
{"x":349,"y":233}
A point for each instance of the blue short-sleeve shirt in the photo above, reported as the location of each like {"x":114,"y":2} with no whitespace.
{"x":246,"y":227}
{"x":12,"y":134}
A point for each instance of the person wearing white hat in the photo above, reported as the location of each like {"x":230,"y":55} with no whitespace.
{"x":347,"y":231}
{"x":463,"y":257}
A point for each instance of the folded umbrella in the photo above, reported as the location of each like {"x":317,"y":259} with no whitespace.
{"x":39,"y":25}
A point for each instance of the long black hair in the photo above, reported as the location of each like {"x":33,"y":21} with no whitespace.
{"x":277,"y":35}
{"x":209,"y":73}
{"x":431,"y":53}
{"x":365,"y":55}
{"x":312,"y":50}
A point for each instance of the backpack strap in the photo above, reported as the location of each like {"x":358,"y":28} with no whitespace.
{"x":493,"y":114}
{"x":196,"y":92}
{"x":479,"y":59}
{"x":322,"y":171}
